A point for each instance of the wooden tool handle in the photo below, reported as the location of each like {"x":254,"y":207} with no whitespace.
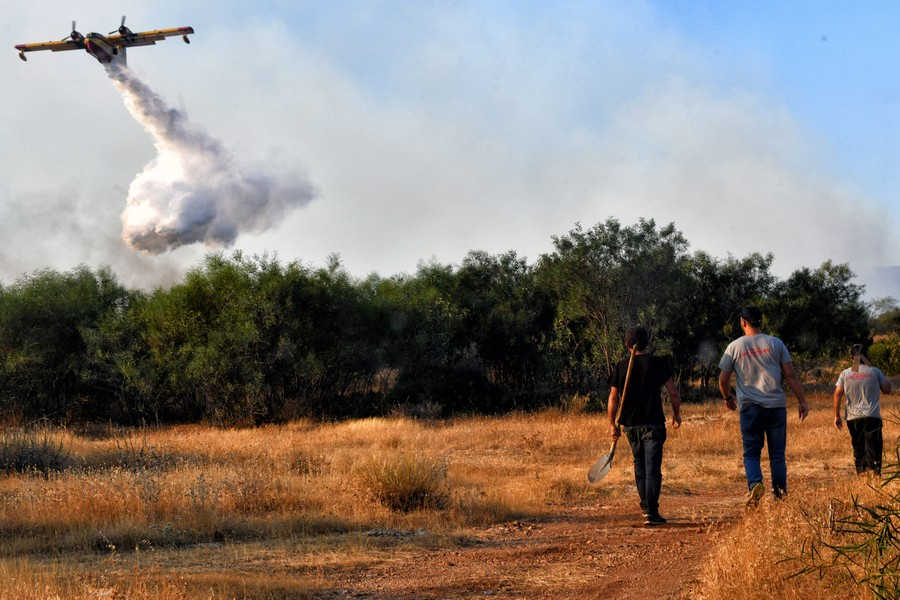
{"x":625,"y":386}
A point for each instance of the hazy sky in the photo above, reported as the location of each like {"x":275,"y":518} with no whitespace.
{"x":429,"y":129}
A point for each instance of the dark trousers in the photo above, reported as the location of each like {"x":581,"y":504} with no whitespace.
{"x":647,"y":449}
{"x":868,"y":444}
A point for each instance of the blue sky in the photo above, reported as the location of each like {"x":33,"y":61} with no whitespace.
{"x":430,"y":129}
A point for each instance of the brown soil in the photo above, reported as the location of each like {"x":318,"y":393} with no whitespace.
{"x":596,"y":551}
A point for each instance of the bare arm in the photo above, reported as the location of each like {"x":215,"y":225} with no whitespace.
{"x":612,"y":407}
{"x":725,"y":388}
{"x":886,"y":388}
{"x":675,"y":399}
{"x":794,"y":381}
{"x":838,"y":395}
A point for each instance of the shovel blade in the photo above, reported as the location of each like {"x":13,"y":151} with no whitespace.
{"x":601,"y":468}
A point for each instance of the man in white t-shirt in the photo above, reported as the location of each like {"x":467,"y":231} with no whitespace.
{"x":758,"y":362}
{"x":863,"y":385}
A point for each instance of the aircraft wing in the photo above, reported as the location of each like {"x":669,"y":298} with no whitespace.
{"x":52,"y":46}
{"x":146,"y":38}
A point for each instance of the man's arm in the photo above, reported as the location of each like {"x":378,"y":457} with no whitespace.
{"x":883,"y":384}
{"x":725,"y":388}
{"x":794,"y":381}
{"x":675,"y":399}
{"x":838,"y":395}
{"x":612,"y":409}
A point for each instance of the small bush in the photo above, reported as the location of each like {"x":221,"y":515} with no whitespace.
{"x":31,"y":450}
{"x":885,"y":354}
{"x":575,"y":404}
{"x":427,"y":410}
{"x":407,"y":482}
{"x":134,"y":457}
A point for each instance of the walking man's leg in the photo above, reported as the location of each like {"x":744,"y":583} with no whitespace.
{"x":635,"y":440}
{"x":654,"y":439}
{"x":752,"y":435}
{"x":874,"y":443}
{"x":776,"y":440}
{"x":857,"y":430}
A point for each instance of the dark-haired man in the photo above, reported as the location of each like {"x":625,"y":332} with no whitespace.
{"x":642,"y":417}
{"x":759,"y":362}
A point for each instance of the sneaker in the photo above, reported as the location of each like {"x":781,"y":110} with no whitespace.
{"x":756,"y":494}
{"x":654,"y":520}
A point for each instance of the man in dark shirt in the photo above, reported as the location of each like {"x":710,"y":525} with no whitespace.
{"x":642,"y":416}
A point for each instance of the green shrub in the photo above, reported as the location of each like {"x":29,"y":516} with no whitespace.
{"x":885,"y":354}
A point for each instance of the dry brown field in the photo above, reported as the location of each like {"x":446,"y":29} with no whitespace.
{"x":398,"y":508}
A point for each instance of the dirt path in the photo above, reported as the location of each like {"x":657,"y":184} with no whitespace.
{"x":581,"y":552}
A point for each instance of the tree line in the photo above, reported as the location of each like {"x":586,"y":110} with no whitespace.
{"x":243,"y":340}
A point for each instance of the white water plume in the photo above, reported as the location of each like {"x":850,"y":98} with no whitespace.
{"x":195,"y":190}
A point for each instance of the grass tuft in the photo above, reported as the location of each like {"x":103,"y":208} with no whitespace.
{"x":406,"y":481}
{"x":37,"y":450}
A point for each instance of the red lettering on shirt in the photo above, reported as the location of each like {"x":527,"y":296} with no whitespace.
{"x":756,"y":352}
{"x":856,"y":376}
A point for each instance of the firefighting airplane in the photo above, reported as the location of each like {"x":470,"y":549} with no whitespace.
{"x":106,"y":48}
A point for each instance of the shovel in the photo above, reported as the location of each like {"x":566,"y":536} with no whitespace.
{"x":858,"y":357}
{"x":603,"y":466}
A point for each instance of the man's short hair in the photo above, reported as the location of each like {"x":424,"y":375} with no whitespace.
{"x":636,"y":337}
{"x":752,"y":315}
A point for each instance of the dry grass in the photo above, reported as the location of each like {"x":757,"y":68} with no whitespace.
{"x":762,"y":555}
{"x":759,"y":557}
{"x":194,"y":512}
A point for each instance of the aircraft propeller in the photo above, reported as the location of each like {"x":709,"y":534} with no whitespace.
{"x":122,"y":29}
{"x":75,"y":36}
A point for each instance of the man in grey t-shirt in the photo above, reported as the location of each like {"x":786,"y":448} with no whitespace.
{"x":758,"y":362}
{"x":863,"y":385}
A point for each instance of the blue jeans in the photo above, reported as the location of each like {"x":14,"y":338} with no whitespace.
{"x":647,"y":449}
{"x":767,"y":426}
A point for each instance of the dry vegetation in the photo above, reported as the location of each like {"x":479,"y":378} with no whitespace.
{"x":274,"y":512}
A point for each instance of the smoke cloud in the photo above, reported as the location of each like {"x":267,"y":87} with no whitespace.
{"x":194,"y":190}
